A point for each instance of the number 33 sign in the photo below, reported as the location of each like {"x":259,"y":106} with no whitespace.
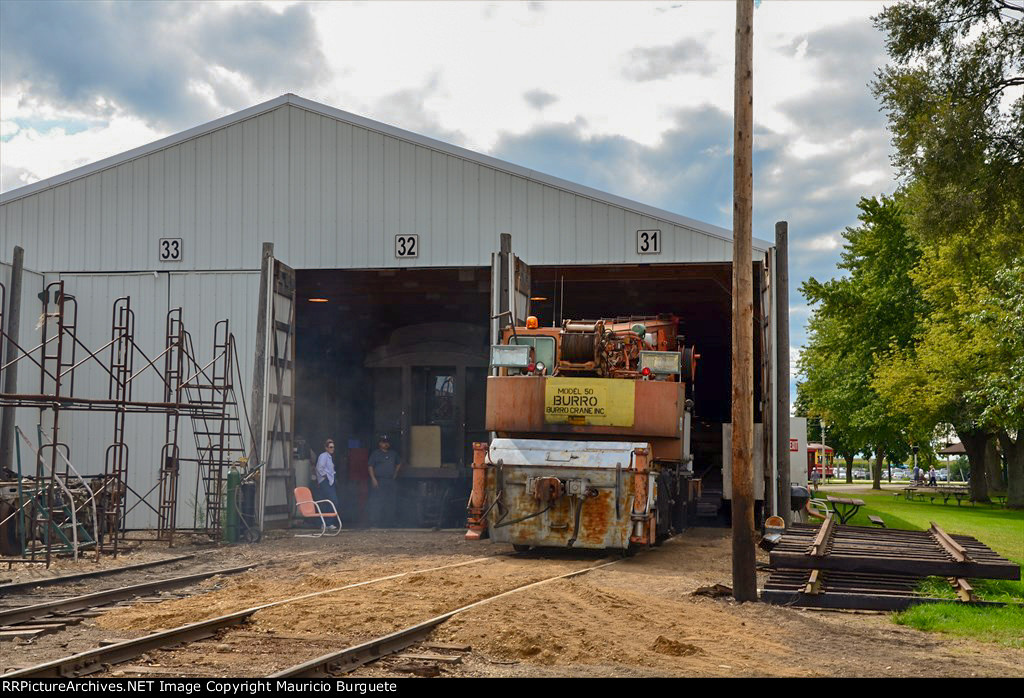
{"x":169,"y":250}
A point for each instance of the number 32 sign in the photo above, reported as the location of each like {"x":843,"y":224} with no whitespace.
{"x":169,"y":250}
{"x":407,"y":246}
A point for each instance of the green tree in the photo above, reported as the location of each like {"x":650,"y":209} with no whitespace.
{"x":957,"y":119}
{"x":858,"y":318}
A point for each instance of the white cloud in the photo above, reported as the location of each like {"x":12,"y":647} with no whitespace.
{"x":871,"y":177}
{"x":37,"y":154}
{"x":829,"y":241}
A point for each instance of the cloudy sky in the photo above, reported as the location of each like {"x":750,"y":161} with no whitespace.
{"x":631,"y":98}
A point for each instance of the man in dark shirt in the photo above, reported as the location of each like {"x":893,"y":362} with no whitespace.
{"x":384,"y":466}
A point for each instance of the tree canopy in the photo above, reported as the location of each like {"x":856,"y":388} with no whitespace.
{"x":954,"y":96}
{"x":869,"y":313}
{"x":956,"y":111}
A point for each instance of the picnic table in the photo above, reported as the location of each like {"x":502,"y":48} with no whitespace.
{"x":910,"y":492}
{"x":945,"y":491}
{"x":845,"y":507}
{"x":958,"y":493}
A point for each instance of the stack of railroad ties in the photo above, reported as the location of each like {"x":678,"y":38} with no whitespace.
{"x":855,"y":567}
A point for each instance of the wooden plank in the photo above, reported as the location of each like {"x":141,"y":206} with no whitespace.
{"x":19,"y":634}
{"x":425,"y":670}
{"x":41,"y":625}
{"x":440,"y":658}
{"x":895,"y":565}
{"x":450,"y":646}
{"x":861,"y":602}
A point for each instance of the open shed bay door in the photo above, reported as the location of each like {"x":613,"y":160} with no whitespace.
{"x":276,"y":420}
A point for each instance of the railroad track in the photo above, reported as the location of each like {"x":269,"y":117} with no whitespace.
{"x":327,"y":663}
{"x":16,"y":587}
{"x":10,"y":618}
{"x":336,"y":663}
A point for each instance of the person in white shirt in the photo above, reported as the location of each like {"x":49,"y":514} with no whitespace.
{"x":325,"y":474}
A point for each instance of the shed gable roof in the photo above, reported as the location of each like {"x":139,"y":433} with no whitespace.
{"x":393,"y":131}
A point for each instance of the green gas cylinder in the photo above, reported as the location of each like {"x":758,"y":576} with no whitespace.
{"x":231,"y":510}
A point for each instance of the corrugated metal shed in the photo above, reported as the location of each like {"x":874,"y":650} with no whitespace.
{"x":331,"y":190}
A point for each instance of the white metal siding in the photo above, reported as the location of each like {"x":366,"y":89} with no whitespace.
{"x":329,"y":194}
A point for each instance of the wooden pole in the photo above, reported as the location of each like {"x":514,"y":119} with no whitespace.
{"x":744,"y":578}
{"x":782,"y":366}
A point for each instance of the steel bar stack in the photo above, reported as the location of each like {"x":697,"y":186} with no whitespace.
{"x":853,"y":567}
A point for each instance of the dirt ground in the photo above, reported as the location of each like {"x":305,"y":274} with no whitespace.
{"x":633,"y":618}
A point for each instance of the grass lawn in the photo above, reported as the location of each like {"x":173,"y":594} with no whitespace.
{"x":1000,"y":529}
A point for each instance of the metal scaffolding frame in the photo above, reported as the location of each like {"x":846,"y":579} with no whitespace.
{"x":203,"y":392}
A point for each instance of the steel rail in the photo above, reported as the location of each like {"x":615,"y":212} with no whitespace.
{"x":15,"y":586}
{"x":100,"y":658}
{"x":353,"y":657}
{"x":102,"y":598}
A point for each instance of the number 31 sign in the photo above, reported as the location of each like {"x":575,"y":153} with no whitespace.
{"x":169,"y":250}
{"x":648,"y":242}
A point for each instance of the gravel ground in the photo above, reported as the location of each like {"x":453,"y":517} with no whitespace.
{"x":636,"y":617}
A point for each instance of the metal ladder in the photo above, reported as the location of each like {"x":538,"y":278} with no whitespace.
{"x":170,"y":454}
{"x":218,"y":439}
{"x":122,"y":335}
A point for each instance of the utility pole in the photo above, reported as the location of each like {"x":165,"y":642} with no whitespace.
{"x":824,"y":454}
{"x":782,"y":368}
{"x":744,"y":577}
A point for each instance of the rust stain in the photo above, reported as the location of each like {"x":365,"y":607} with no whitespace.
{"x":598,"y":513}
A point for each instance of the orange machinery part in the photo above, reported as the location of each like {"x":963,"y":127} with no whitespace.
{"x":641,"y":483}
{"x":477,"y":522}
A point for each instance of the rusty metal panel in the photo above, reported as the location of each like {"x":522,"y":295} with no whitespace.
{"x":602,"y":525}
{"x":515,"y":404}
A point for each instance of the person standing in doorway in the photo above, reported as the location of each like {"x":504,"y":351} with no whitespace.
{"x":325,"y":474}
{"x":384,"y":466}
